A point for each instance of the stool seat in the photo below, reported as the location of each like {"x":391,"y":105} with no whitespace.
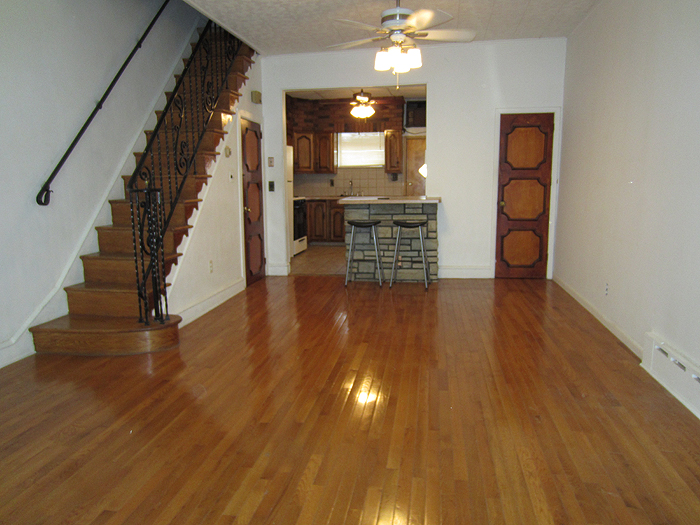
{"x":363,"y":223}
{"x":410,"y":224}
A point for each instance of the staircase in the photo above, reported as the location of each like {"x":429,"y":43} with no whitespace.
{"x":110,"y":314}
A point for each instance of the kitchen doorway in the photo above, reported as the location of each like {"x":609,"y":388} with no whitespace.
{"x":312,"y":116}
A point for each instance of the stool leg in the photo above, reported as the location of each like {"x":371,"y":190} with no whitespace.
{"x":352,"y":250}
{"x":396,"y":256}
{"x":376,"y":251}
{"x":425,"y":257}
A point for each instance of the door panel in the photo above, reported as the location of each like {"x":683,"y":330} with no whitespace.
{"x":251,"y":137}
{"x":524,"y":180}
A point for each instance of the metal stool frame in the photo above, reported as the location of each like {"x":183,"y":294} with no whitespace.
{"x":411,"y":224}
{"x":372,"y":225}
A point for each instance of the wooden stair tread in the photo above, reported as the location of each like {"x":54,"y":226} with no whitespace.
{"x":98,"y":324}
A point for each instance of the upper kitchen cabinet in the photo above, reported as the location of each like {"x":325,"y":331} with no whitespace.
{"x":315,"y":153}
{"x":325,"y":153}
{"x":304,"y":152}
{"x":393,"y":151}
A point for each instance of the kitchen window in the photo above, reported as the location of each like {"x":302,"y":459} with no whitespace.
{"x":360,"y":149}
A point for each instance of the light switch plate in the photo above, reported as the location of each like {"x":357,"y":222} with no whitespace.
{"x":271,"y":162}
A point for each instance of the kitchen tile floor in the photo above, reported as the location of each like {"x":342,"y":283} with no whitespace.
{"x":320,"y":259}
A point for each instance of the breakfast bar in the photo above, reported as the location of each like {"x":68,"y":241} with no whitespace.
{"x":388,"y":209}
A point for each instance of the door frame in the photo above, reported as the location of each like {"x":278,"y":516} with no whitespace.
{"x":553,"y":189}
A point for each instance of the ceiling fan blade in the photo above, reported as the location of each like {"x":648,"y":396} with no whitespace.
{"x":446,"y":35}
{"x":362,"y":25}
{"x":354,"y":43}
{"x":425,"y":18}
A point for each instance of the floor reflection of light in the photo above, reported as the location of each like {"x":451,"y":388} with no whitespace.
{"x":365,"y":397}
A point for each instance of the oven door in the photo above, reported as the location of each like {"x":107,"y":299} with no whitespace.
{"x":299,"y":225}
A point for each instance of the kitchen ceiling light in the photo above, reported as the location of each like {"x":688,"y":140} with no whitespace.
{"x":362,"y":105}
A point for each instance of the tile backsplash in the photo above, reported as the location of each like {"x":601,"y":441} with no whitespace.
{"x":365,"y":181}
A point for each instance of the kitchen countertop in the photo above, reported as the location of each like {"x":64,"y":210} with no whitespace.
{"x":389,"y":200}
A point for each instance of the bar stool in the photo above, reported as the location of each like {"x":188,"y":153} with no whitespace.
{"x":372,"y":225}
{"x":410,"y":224}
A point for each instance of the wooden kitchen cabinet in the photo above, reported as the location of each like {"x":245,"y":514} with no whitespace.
{"x":393,"y":151}
{"x":303,"y":152}
{"x":325,"y":153}
{"x":317,"y":220}
{"x":336,"y":215}
{"x":326,"y":220}
{"x":315,"y":153}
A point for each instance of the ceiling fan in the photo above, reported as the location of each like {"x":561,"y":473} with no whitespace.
{"x":403,"y":27}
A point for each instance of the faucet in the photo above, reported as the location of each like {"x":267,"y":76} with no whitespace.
{"x":351,"y":193}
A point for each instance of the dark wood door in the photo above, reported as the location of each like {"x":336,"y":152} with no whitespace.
{"x":524,"y":180}
{"x":415,"y":158}
{"x":253,"y":201}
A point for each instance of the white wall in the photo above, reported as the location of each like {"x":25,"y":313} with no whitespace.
{"x":57,"y":60}
{"x":629,"y":205}
{"x":467,"y":86}
{"x":218,"y":233}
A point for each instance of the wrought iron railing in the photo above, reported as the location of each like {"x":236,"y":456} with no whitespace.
{"x":170,"y":158}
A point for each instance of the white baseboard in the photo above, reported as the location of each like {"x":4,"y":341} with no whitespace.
{"x":193,"y":312}
{"x":614,"y":328}
{"x":465,"y":272}
{"x":277,"y":269}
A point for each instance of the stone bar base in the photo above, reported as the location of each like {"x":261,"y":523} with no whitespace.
{"x":410,"y":264}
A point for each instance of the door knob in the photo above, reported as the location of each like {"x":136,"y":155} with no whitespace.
{"x":502,"y":203}
{"x":246,"y":208}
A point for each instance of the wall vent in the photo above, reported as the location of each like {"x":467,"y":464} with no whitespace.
{"x":679,"y":374}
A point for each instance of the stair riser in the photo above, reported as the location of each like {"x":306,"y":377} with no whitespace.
{"x":121,"y":241}
{"x":107,"y":271}
{"x":210,"y":140}
{"x":121,"y":214}
{"x":219,"y":119}
{"x":105,"y":303}
{"x":226,"y":101}
{"x":105,"y":343}
{"x":241,"y":64}
{"x":234,"y":82}
{"x":164,"y":163}
{"x":193,"y":185}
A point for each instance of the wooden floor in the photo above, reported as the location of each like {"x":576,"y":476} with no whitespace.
{"x":320,"y":259}
{"x":302,"y":402}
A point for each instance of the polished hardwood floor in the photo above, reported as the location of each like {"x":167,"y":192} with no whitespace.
{"x":300,"y":401}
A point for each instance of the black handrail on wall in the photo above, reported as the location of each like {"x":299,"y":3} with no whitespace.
{"x":170,"y":157}
{"x":44,"y":196}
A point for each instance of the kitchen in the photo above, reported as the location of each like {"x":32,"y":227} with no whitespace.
{"x":335,"y":155}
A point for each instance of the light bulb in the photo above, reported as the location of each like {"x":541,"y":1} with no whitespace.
{"x":381,"y":61}
{"x":414,"y":58}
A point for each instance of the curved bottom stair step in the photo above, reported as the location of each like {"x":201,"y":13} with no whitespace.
{"x":105,"y":336}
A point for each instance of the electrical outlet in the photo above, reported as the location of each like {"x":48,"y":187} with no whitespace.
{"x":211,"y":266}
{"x":607,"y":288}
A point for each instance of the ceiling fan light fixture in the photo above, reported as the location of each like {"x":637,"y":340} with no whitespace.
{"x":362,"y":111}
{"x":398,"y":58}
{"x":414,"y":58}
{"x":382,"y":62}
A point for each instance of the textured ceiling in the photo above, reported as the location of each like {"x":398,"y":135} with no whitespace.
{"x":275,"y":27}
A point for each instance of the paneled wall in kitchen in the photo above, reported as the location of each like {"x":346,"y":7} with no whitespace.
{"x":365,"y":181}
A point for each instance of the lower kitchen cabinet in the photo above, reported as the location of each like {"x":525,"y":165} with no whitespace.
{"x":326,"y":220}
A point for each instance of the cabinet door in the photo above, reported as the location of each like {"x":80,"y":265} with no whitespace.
{"x":325,"y":153}
{"x":393,"y":151}
{"x":317,"y":220}
{"x":304,"y":152}
{"x":337,"y":221}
